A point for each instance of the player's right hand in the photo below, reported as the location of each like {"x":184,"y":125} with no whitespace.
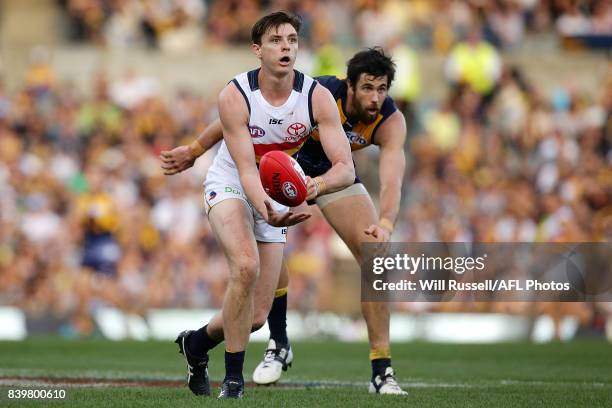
{"x":381,"y":237}
{"x":379,"y":233}
{"x":176,"y":160}
{"x":287,"y":219}
{"x":311,"y":189}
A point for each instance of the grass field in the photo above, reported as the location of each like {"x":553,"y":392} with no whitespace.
{"x":326,"y":373}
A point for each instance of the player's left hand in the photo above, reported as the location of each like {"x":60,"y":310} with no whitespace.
{"x":176,"y":160}
{"x":379,"y":233}
{"x":287,"y":219}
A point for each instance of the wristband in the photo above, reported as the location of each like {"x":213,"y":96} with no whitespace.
{"x":386,"y":224}
{"x":319,"y":185}
{"x":196,"y":148}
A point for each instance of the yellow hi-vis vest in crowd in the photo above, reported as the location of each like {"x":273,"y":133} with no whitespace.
{"x":407,"y":84}
{"x":328,"y":61}
{"x":476,"y":65}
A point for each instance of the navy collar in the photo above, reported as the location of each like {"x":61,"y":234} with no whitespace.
{"x":253,"y":77}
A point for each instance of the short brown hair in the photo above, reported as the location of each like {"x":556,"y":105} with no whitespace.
{"x":274,"y":20}
{"x":371,"y":61}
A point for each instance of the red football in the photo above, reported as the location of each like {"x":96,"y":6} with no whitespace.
{"x":282,"y":178}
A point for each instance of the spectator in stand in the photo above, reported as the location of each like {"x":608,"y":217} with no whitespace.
{"x":475,"y":63}
{"x":601,"y":22}
{"x":184,"y":25}
{"x":529,"y":167}
{"x":97,"y":212}
{"x":507,"y":22}
{"x":572,"y":20}
{"x":407,"y":86}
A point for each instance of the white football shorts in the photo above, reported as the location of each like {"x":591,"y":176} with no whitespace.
{"x":223,"y":183}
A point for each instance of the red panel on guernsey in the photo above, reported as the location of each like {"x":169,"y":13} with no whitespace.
{"x":261,"y":149}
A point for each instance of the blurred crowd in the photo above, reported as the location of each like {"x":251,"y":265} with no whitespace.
{"x":510,"y":164}
{"x":426,"y":24}
{"x":86,"y":215}
{"x":87,"y":218}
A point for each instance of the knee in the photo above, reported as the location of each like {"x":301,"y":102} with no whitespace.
{"x":257,"y":324}
{"x":259,"y":319}
{"x":245,"y":270}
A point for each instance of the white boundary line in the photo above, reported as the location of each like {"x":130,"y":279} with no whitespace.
{"x":294,"y":384}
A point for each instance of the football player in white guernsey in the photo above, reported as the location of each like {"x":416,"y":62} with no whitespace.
{"x":249,"y":226}
{"x":370,"y":116}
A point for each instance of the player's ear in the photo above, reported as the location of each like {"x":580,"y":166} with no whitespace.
{"x":256,"y":50}
{"x":349,"y":85}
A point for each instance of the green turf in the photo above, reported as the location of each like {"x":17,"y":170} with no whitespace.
{"x":436,"y":375}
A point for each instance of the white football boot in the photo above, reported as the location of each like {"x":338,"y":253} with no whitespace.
{"x":275,"y":361}
{"x":386,"y":384}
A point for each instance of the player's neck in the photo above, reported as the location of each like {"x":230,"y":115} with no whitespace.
{"x":274,"y":88}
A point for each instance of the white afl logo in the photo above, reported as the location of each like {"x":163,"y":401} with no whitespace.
{"x":256,"y":131}
{"x":289,"y":190}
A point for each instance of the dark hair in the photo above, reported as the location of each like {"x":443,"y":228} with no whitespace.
{"x":371,"y":61}
{"x":274,"y":20}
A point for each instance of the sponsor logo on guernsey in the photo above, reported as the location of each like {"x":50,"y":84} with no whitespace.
{"x":289,"y":190}
{"x":293,"y":139}
{"x":275,"y":121}
{"x":355,"y":138}
{"x":296,"y":129}
{"x":212,"y":195}
{"x":256,"y":131}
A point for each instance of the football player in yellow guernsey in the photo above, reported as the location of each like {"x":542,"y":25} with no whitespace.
{"x":369,"y":117}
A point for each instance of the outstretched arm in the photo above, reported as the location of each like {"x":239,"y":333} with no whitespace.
{"x":390,"y":136}
{"x":183,"y":157}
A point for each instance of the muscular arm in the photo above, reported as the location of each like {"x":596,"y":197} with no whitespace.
{"x":390,"y":137}
{"x":334,"y":141}
{"x":234,"y":117}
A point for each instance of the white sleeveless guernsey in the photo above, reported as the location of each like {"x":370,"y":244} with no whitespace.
{"x":284,"y":127}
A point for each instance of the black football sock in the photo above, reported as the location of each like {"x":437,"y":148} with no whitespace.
{"x":277,"y":320}
{"x":233,"y":366}
{"x":379,"y":366}
{"x":199,"y":343}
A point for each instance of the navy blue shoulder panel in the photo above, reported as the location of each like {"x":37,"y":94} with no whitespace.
{"x":335,"y":85}
{"x":310,"y":112}
{"x":253,"y":79}
{"x":298,"y":81}
{"x":243,"y":94}
{"x":387,"y":109}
